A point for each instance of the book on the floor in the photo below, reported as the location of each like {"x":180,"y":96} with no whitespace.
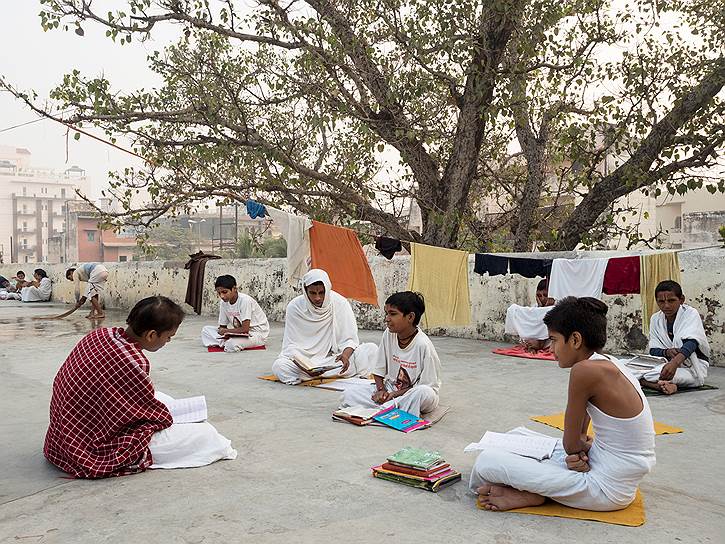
{"x":537,"y":447}
{"x":641,"y":360}
{"x":305,"y":364}
{"x":396,"y":471}
{"x":432,"y":485}
{"x":357,"y":415}
{"x":400,"y":420}
{"x":437,"y":470}
{"x":417,"y":458}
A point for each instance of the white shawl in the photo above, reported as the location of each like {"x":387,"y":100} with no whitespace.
{"x":527,"y":322}
{"x":687,"y":326}
{"x":319,"y":332}
{"x":296,"y":231}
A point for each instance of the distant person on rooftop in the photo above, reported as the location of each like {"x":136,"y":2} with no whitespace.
{"x":96,"y":276}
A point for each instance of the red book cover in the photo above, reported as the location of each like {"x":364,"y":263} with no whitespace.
{"x":415,"y":472}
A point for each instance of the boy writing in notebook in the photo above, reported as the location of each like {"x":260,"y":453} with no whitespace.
{"x":407,"y":372}
{"x":242,"y":322}
{"x":600,"y":473}
{"x":677,"y":334}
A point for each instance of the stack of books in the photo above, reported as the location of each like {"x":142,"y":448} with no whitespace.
{"x":417,"y":467}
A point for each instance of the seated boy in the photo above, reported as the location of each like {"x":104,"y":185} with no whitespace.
{"x":104,"y":417}
{"x":408,"y":371}
{"x":676,"y":333}
{"x":238,"y":314}
{"x":528,"y":322}
{"x":600,"y":473}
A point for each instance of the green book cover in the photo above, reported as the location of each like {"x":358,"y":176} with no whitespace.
{"x":416,"y":458}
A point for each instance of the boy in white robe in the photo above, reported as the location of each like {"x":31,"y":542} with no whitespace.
{"x":527,"y":322}
{"x":238,"y":314}
{"x":676,"y":333}
{"x":600,"y":473}
{"x":39,"y":290}
{"x":320,"y":326}
{"x":407,"y":372}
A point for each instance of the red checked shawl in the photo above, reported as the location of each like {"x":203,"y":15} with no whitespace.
{"x":103,"y":411}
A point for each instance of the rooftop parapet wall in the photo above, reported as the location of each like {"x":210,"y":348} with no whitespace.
{"x":265,"y":279}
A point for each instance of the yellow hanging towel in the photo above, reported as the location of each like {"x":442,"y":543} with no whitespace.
{"x":653,"y":269}
{"x":441,"y":276}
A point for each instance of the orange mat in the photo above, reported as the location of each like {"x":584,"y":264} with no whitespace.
{"x":520,"y":351}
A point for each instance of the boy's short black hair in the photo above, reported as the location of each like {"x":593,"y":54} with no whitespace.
{"x":69,"y":273}
{"x":669,"y":285}
{"x":543,"y":285}
{"x":157,"y":313}
{"x":40,"y":272}
{"x":313,"y":284}
{"x":408,"y":302}
{"x":586,"y":315}
{"x":226,"y":281}
{"x":19,"y":273}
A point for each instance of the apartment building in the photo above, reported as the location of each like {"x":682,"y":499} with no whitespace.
{"x":32,"y":204}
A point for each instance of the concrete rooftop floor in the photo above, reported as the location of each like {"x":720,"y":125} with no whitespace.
{"x":300,"y":477}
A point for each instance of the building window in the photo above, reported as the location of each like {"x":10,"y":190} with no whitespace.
{"x":45,"y":223}
{"x":25,"y":191}
{"x":62,"y":193}
{"x":25,"y":226}
{"x":91,"y":235}
{"x":25,"y":208}
{"x":122,"y":258}
{"x":26,"y":258}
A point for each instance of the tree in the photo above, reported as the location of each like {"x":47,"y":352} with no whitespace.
{"x":303,"y":104}
{"x":167,"y":242}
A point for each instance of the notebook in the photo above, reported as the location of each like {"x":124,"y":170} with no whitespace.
{"x":235,"y":335}
{"x":416,"y":458}
{"x":400,"y":420}
{"x":188,"y":410}
{"x":538,"y":447}
{"x":640,"y":360}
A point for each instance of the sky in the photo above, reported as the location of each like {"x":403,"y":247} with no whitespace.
{"x":32,"y":59}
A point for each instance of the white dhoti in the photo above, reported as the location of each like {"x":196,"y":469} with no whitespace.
{"x":33,"y":294}
{"x":361,"y":364}
{"x":96,"y":281}
{"x":685,"y":376}
{"x":418,"y":400}
{"x":549,"y":478}
{"x":210,"y":337}
{"x":189,"y":445}
{"x":527,"y":322}
{"x":10,"y":296}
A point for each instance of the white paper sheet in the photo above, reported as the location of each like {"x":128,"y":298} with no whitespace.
{"x":527,"y":445}
{"x":187,"y":410}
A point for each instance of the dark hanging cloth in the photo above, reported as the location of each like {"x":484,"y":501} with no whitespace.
{"x":388,"y":246}
{"x":195,"y":287}
{"x":621,"y":276}
{"x":530,"y":268}
{"x":495,"y":265}
{"x":255,"y":209}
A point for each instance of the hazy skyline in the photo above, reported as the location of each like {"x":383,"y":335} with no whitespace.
{"x":36,"y":60}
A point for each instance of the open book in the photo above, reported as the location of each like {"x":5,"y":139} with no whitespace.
{"x":537,"y":446}
{"x":308,"y":366}
{"x":640,"y":360}
{"x":357,"y":415}
{"x":188,"y":410}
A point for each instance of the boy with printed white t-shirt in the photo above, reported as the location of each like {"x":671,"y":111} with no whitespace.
{"x":407,"y":371}
{"x":242,"y":322}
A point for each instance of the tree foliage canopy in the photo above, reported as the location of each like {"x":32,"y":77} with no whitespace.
{"x":347,"y":110}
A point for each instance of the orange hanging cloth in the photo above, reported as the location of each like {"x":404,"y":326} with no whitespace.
{"x":337,"y":251}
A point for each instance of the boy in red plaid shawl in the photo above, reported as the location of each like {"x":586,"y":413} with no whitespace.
{"x":103,"y":413}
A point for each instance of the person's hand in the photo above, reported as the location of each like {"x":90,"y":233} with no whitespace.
{"x":668,"y":371}
{"x":588,"y":441}
{"x":578,"y":462}
{"x":381,"y":396}
{"x":671,"y":353}
{"x":345,"y":360}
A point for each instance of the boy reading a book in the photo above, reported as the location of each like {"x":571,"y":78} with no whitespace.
{"x":677,"y":334}
{"x":320,"y":331}
{"x":242,"y":322}
{"x":407,"y":372}
{"x":104,"y":418}
{"x":593,"y":474}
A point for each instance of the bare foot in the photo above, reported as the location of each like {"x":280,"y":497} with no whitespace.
{"x":668,"y":388}
{"x":500,"y":497}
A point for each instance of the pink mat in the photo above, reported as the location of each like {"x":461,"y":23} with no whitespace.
{"x":520,"y":351}
{"x":219,"y":349}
